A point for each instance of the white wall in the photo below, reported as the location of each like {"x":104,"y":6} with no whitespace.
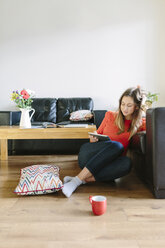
{"x":80,"y":48}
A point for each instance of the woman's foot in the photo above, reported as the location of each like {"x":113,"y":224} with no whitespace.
{"x":68,"y":179}
{"x":71,"y":186}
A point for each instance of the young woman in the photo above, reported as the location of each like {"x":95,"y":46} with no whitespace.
{"x":106,"y":160}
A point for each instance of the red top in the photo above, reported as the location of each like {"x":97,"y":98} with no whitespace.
{"x":108,"y":127}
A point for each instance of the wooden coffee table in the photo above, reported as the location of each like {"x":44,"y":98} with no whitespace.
{"x":15,"y":132}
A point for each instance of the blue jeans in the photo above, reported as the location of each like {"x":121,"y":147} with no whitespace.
{"x":103,"y":159}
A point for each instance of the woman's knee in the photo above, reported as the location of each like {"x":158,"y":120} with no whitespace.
{"x":119,"y":146}
{"x":116,"y":145}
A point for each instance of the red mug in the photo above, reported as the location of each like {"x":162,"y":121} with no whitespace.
{"x":99,"y":204}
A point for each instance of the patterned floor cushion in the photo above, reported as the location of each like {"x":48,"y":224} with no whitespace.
{"x":39,"y":179}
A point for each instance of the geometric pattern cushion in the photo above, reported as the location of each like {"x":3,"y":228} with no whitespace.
{"x":81,"y":115}
{"x":39,"y":179}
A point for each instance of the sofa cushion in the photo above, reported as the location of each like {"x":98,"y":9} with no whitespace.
{"x":39,"y":179}
{"x":45,"y":109}
{"x":81,"y":115}
{"x":65,"y":106}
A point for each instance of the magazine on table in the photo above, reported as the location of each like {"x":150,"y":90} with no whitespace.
{"x":43,"y":125}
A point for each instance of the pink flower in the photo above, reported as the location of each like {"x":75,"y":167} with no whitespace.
{"x":25,"y":94}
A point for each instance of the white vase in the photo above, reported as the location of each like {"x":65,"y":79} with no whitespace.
{"x":25,"y":121}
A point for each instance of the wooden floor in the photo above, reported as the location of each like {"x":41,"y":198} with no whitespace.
{"x":134,"y":219}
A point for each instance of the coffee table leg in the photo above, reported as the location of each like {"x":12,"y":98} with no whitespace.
{"x":4,"y":149}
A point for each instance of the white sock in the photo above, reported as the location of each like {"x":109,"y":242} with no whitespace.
{"x":68,"y":179}
{"x":71,"y":186}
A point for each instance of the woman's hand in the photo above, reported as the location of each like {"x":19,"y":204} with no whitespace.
{"x":92,"y":138}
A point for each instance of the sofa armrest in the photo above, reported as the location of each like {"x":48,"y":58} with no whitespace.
{"x":155,"y":149}
{"x":98,"y":116}
{"x":9,"y":117}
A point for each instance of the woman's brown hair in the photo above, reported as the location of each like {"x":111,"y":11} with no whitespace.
{"x":137,"y":96}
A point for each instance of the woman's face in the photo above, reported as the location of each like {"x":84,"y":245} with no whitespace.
{"x":127,"y":107}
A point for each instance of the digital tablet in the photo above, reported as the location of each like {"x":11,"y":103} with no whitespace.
{"x":100,"y":137}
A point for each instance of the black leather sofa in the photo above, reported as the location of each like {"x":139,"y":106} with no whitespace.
{"x":55,"y":111}
{"x":147,"y":149}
